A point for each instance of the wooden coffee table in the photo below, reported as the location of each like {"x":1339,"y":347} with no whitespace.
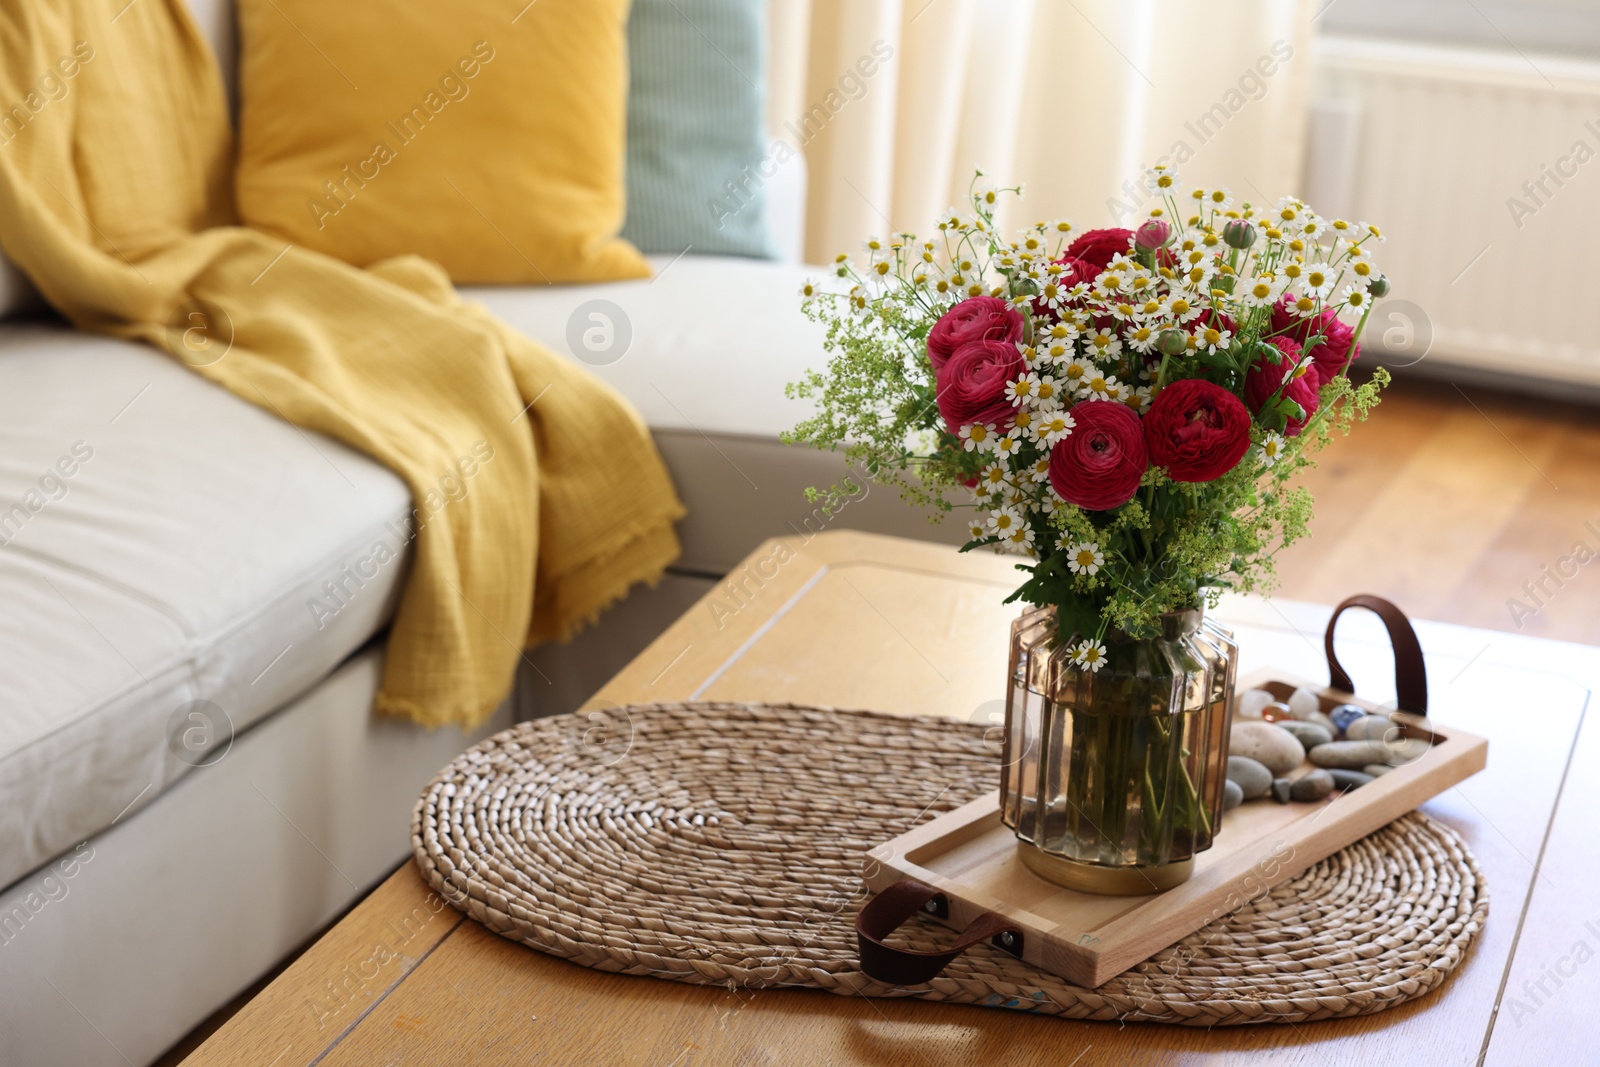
{"x":854,"y":620}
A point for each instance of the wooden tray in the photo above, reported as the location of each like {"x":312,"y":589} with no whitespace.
{"x":969,"y":855}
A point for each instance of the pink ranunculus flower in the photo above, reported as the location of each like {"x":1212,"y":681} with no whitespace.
{"x":1266,"y":376}
{"x":1100,"y":247}
{"x":978,"y":318}
{"x":1334,"y":349}
{"x":973,"y":385}
{"x":1098,"y":465}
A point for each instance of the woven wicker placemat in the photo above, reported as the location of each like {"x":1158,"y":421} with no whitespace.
{"x":722,"y":844}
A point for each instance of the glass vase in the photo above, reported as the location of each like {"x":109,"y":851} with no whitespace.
{"x":1113,"y":780}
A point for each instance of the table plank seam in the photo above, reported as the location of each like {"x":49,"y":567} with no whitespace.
{"x":1533,"y":881}
{"x":390,"y":988}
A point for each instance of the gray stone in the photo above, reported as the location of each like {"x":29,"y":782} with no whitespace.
{"x":1252,"y":778}
{"x":1319,"y":719}
{"x":1273,"y":748}
{"x":1344,"y":779}
{"x":1280,"y":790}
{"x":1351,"y":755}
{"x":1232,"y":795}
{"x":1313,"y":785}
{"x":1377,"y":770}
{"x":1309,"y":734}
{"x":1250,"y":702}
{"x":1303,"y":704}
{"x":1369,"y":728}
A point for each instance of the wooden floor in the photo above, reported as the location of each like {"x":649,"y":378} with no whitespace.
{"x":1448,"y":500}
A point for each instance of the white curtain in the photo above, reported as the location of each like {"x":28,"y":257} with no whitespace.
{"x":894,"y":102}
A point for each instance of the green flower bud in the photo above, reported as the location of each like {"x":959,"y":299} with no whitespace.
{"x":1239,"y":234}
{"x":1172,"y":343}
{"x":1380,"y":286}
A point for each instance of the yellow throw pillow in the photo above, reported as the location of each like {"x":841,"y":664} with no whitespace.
{"x":485,"y":137}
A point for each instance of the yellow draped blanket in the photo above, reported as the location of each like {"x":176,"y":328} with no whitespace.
{"x":115,"y":198}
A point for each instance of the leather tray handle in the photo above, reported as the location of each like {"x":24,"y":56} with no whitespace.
{"x":1410,"y":673}
{"x":885,"y":913}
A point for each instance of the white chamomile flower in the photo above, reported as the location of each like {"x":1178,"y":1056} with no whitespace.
{"x":993,"y":477}
{"x":1039,"y":473}
{"x":1090,"y":655}
{"x":1161,"y":180}
{"x":1025,"y":390}
{"x":1142,"y":339}
{"x":1181,"y":308}
{"x":1138,"y":399}
{"x":1101,"y":386}
{"x":978,"y":438}
{"x":1271,"y":448}
{"x":1009,"y":445}
{"x":1052,"y":294}
{"x":1259,"y":291}
{"x":1085,"y":557}
{"x":1054,"y":350}
{"x":1318,"y":280}
{"x":1052,"y":427}
{"x":1288,"y":212}
{"x":1355,"y":299}
{"x":977,"y":531}
{"x":1214,"y":338}
{"x":1104,"y":344}
{"x":1308,"y":227}
{"x":1218,"y":199}
{"x":1003,"y":522}
{"x":1021,"y":537}
{"x":1303,"y":305}
{"x":1110,"y":283}
{"x":1048,"y":394}
{"x":1073,"y":374}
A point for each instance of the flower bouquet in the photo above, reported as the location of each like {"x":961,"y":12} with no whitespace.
{"x":1124,"y":411}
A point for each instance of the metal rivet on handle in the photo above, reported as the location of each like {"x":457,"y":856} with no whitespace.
{"x":1008,"y":939}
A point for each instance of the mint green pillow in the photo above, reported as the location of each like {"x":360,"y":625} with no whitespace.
{"x":695,"y":127}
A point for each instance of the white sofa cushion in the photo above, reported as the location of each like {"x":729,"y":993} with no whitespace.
{"x":161,"y":542}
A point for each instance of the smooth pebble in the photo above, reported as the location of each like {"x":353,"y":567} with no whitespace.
{"x":1346,"y":779}
{"x":1368,"y":728}
{"x":1309,"y":734}
{"x":1272,"y":747}
{"x":1314,"y":785}
{"x":1232,"y":795}
{"x":1303,"y":703}
{"x":1251,"y":776}
{"x":1377,"y":770}
{"x":1251,"y":702}
{"x":1345,"y":714}
{"x":1351,"y":755}
{"x":1319,"y":719}
{"x":1280,"y":790}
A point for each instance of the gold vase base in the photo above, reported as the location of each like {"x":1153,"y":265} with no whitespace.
{"x":1103,"y":881}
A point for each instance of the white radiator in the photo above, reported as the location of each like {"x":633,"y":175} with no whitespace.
{"x":1483,"y":169}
